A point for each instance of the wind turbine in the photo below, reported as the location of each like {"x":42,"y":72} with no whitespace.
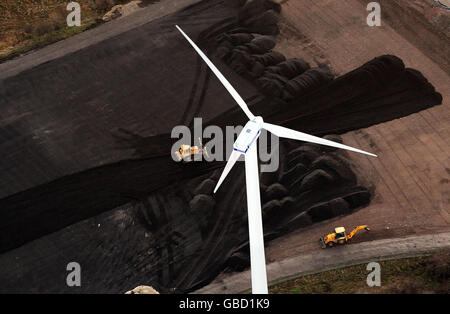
{"x":245,"y":144}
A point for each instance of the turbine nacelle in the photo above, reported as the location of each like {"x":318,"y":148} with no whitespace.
{"x":248,"y":135}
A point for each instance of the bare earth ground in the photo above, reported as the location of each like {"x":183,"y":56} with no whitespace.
{"x":411,"y":175}
{"x":319,"y":261}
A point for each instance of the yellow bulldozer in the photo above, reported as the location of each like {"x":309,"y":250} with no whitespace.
{"x":188,"y":153}
{"x":339,"y":236}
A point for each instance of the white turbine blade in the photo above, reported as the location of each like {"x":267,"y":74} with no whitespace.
{"x":231,"y":161}
{"x":255,"y":225}
{"x":295,"y":135}
{"x":219,"y":75}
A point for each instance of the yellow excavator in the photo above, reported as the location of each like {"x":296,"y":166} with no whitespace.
{"x":340,"y":236}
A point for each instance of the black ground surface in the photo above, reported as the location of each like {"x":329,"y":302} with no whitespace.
{"x":87,"y":174}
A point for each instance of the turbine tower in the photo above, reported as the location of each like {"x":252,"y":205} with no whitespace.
{"x":246,"y":145}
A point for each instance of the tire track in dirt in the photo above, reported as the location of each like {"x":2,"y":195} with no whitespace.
{"x":201,"y":100}
{"x":201,"y":67}
{"x":184,"y":118}
{"x":231,"y":204}
{"x":419,"y":196}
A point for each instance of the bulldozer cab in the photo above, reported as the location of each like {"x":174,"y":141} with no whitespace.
{"x":185,"y":149}
{"x":188,"y":153}
{"x":339,"y":233}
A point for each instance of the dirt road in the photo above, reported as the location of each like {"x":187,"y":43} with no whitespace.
{"x":91,"y":37}
{"x":337,"y":257}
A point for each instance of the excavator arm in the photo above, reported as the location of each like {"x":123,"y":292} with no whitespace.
{"x":354,"y":231}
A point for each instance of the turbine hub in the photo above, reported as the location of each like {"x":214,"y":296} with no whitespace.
{"x":259,"y":120}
